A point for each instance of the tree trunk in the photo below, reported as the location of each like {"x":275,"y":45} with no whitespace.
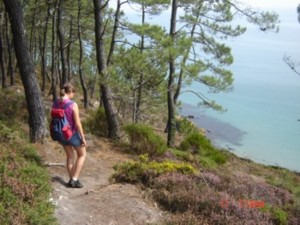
{"x":184,"y":60}
{"x":141,"y":80}
{"x":84,"y":89}
{"x":32,"y":33}
{"x":10,"y":68}
{"x":43,"y":49}
{"x":92,"y":87}
{"x":61,"y":44}
{"x":53,"y":66}
{"x":170,"y":93}
{"x":35,"y":107}
{"x":2,"y":62}
{"x":69,"y":49}
{"x":10,"y":50}
{"x":112,"y":119}
{"x":113,"y":37}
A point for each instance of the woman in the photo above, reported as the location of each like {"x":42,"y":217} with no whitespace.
{"x":77,"y":141}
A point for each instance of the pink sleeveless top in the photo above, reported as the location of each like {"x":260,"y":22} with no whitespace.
{"x":68,"y":112}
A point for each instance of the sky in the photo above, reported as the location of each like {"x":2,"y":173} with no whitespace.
{"x":272,"y":4}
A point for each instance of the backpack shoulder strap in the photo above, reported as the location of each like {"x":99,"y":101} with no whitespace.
{"x":67,"y":104}
{"x":55,"y":105}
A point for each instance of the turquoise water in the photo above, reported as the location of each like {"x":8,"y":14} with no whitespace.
{"x":263,"y":110}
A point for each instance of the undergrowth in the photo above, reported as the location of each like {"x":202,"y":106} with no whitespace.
{"x":204,"y":151}
{"x":13,"y":106}
{"x":212,"y":196}
{"x":143,"y":170}
{"x":24,"y":182}
{"x":144,"y":140}
{"x":96,"y":123}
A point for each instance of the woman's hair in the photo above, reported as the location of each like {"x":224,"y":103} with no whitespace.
{"x":67,"y":89}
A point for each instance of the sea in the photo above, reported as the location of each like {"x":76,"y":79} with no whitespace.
{"x":262,"y":118}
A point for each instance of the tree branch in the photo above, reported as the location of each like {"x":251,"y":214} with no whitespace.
{"x":291,"y":64}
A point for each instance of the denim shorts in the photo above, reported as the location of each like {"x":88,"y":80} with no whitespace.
{"x":75,"y":140}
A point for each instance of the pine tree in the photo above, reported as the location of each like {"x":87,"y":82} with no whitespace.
{"x":35,"y":106}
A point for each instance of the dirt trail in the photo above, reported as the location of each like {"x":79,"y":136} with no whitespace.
{"x":98,"y":202}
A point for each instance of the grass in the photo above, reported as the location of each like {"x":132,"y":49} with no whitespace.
{"x":182,"y":155}
{"x":12,"y":106}
{"x":144,"y":140}
{"x":206,"y":154}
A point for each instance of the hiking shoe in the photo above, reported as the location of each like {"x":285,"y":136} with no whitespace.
{"x":75,"y":184}
{"x":69,"y":183}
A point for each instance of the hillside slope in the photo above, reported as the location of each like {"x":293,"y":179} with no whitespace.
{"x":98,"y":202}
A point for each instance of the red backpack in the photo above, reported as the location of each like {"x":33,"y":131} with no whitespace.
{"x":60,"y":129}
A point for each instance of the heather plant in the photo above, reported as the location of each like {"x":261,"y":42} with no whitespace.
{"x":183,"y":194}
{"x":24,"y":183}
{"x":184,"y":219}
{"x":180,"y":193}
{"x":212,"y":179}
{"x":245,"y":186}
{"x":285,"y":179}
{"x":144,"y":170}
{"x":144,"y":140}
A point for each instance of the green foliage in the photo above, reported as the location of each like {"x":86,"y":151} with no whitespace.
{"x":144,"y":140}
{"x":198,"y":144}
{"x":24,"y":183}
{"x":195,"y":142}
{"x":143,"y":170}
{"x":183,"y":155}
{"x":13,"y":106}
{"x":284,"y":178}
{"x":7,"y":134}
{"x":280,"y":216}
{"x":138,"y":78}
{"x":96,"y":123}
{"x":185,"y":126}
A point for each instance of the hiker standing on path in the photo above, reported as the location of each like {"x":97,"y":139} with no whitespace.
{"x":77,"y":141}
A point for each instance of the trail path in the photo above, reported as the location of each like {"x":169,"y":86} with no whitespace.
{"x":98,"y":202}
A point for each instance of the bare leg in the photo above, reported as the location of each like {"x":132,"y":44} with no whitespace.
{"x":70,"y":159}
{"x":81,"y":154}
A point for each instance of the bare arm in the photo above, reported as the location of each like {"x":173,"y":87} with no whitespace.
{"x":78,"y":123}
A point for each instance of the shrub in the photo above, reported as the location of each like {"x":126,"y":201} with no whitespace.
{"x":280,"y":216}
{"x":24,"y":183}
{"x":143,"y":170}
{"x":199,"y":144}
{"x":184,"y":126}
{"x":190,"y":195}
{"x":245,"y":185}
{"x":183,"y":155}
{"x":13,"y":106}
{"x":195,"y":142}
{"x":180,"y":193}
{"x":144,"y":140}
{"x":96,"y":123}
{"x":183,"y":219}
